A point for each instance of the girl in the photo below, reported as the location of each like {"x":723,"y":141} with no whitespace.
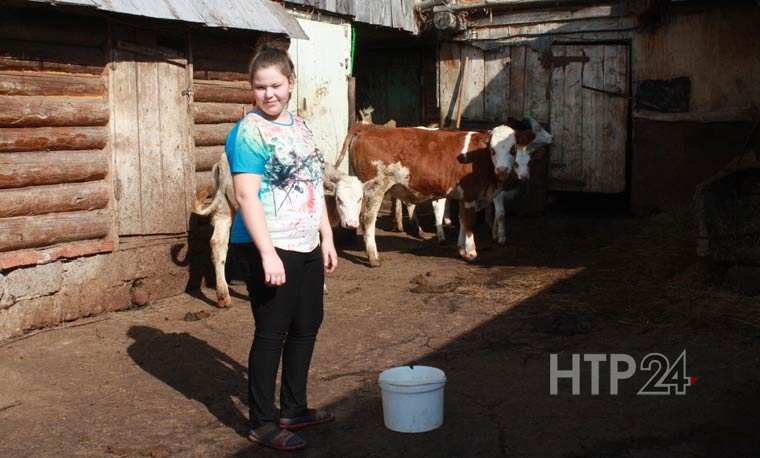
{"x":277,"y":175}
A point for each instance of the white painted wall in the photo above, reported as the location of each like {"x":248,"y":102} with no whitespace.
{"x":321,"y":93}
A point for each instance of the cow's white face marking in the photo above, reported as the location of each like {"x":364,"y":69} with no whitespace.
{"x":473,"y":204}
{"x":466,"y":146}
{"x":522,"y":161}
{"x":502,"y":141}
{"x":348,"y":197}
{"x":426,"y":128}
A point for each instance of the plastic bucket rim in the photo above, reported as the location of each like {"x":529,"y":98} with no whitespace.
{"x":441,"y":377}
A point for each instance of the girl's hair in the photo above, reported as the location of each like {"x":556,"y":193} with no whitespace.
{"x":272,"y":57}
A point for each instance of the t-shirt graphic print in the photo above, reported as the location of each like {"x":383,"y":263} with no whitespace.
{"x":291,"y":169}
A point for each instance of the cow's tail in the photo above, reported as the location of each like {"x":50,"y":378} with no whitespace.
{"x":219,"y":193}
{"x":350,"y":136}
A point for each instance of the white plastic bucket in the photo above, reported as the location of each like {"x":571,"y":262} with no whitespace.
{"x":412,"y":398}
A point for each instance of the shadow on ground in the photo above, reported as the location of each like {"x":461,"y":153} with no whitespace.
{"x":630,"y":294}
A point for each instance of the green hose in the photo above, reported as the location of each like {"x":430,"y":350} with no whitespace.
{"x":353,"y":49}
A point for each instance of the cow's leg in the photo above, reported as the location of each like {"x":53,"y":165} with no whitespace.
{"x":398,"y":214}
{"x":439,"y":209}
{"x":372,"y":202}
{"x":489,"y":217}
{"x":499,"y":229}
{"x":411,"y":213}
{"x":466,"y":225}
{"x":219,"y":240}
{"x":446,"y":214}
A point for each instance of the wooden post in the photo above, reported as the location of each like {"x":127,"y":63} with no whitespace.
{"x":351,"y":101}
{"x":461,"y":91}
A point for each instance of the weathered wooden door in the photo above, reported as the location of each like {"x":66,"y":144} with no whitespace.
{"x":590,"y":127}
{"x":151,"y":145}
{"x":321,"y":96}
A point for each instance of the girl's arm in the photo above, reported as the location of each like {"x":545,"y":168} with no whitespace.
{"x":329,"y":255}
{"x":247,"y":194}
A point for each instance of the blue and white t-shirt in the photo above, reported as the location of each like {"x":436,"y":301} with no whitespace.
{"x":291,"y":169}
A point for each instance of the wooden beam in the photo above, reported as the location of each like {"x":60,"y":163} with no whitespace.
{"x":51,"y":84}
{"x":575,"y":28}
{"x":44,"y":230}
{"x":215,"y":113}
{"x":45,"y":66}
{"x":207,"y":156}
{"x":53,"y":199}
{"x":13,"y":139}
{"x":92,"y":58}
{"x":33,"y":257}
{"x":211,"y":134}
{"x":46,"y":112}
{"x":225,"y":92}
{"x":533,"y":17}
{"x":727,"y":115}
{"x":221,"y":70}
{"x":36,"y":168}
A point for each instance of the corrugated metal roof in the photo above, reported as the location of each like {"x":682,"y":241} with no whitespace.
{"x":262,"y":15}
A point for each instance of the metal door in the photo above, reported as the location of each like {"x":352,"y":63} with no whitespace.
{"x":321,"y":95}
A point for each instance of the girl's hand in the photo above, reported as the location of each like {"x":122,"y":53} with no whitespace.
{"x":274,"y":271}
{"x":329,"y":256}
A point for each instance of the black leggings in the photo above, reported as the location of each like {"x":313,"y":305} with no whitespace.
{"x":286,"y":317}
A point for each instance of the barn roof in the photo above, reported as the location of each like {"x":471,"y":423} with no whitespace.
{"x":261,"y":15}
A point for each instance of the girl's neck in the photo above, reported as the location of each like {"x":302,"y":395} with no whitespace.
{"x":284,"y":116}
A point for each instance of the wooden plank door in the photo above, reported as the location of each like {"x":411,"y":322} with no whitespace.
{"x":151,"y":147}
{"x":590,"y":128}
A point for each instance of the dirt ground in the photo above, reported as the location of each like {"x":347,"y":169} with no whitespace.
{"x":147,"y":382}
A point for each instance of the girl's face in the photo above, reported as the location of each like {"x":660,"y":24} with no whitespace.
{"x":271,"y":91}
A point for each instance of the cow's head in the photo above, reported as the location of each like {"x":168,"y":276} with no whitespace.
{"x":529,"y":141}
{"x":365,"y":115}
{"x":502,"y":142}
{"x":348,"y":195}
{"x":529,"y":135}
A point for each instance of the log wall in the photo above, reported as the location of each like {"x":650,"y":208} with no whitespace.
{"x":222,"y":94}
{"x":55,"y":186}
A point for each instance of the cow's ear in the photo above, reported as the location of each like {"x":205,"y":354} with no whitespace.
{"x":525,"y":136}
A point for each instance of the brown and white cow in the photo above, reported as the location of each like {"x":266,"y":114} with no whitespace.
{"x":343,"y":210}
{"x":417,"y":165}
{"x":509,"y":187}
